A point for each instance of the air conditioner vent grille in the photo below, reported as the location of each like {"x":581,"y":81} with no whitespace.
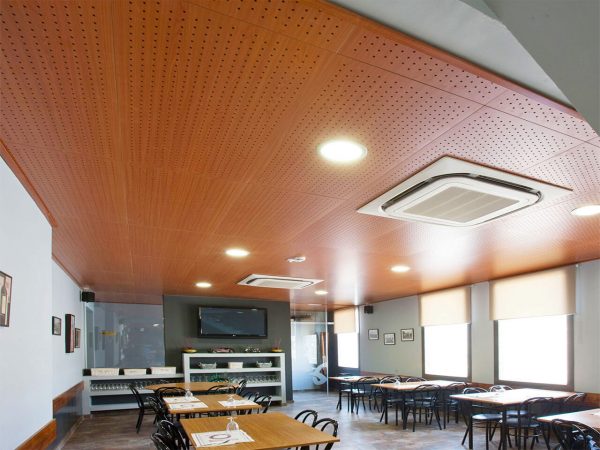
{"x":275,"y":282}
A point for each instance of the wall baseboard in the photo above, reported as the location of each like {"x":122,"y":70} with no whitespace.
{"x":42,"y":439}
{"x":63,"y":399}
{"x":68,"y":436}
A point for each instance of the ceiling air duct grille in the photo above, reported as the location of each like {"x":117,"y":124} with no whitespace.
{"x":457,"y":193}
{"x":270,"y":281}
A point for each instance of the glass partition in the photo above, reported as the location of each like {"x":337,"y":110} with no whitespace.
{"x":124,"y":335}
{"x":309,"y":351}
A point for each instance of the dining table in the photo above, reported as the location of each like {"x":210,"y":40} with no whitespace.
{"x":404,"y":388}
{"x":589,"y":417}
{"x":268,"y":431}
{"x":503,"y":401}
{"x":351,"y":380}
{"x":202,"y":404}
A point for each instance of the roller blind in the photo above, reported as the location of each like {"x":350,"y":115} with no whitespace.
{"x":449,"y":307}
{"x":344,"y":321}
{"x":547,"y":293}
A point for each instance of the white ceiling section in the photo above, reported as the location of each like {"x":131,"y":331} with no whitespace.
{"x":471,"y":32}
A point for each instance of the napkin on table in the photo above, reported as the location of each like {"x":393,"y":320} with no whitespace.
{"x":217,"y":438}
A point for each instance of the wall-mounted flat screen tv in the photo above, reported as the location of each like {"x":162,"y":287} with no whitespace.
{"x":232,"y":322}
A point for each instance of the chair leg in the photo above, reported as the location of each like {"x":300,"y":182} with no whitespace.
{"x":139,"y":420}
{"x":465,"y":436}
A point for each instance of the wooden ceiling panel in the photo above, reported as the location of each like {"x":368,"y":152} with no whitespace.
{"x":158,"y":133}
{"x":529,"y":109}
{"x":186,"y":107}
{"x":392,"y":116}
{"x":53,"y":55}
{"x":313,"y":22}
{"x":373,"y":47}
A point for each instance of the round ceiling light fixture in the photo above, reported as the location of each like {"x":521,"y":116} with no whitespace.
{"x":296,"y":259}
{"x":400,"y":269}
{"x":321,"y":292}
{"x":587,"y":210}
{"x":342,"y":151}
{"x":203,"y":284}
{"x":237,"y":252}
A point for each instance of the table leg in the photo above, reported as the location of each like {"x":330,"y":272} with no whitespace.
{"x":471,"y":430}
{"x":385,"y":404}
{"x":503,"y":430}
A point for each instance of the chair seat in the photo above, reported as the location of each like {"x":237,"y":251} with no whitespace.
{"x":491,"y":417}
{"x":514,"y":422}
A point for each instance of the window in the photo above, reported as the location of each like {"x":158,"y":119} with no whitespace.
{"x":534,"y":350}
{"x":446,"y":350}
{"x":347,"y":350}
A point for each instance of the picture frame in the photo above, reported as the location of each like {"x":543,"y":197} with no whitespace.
{"x":77,"y":337}
{"x":389,"y":338}
{"x":5,"y":298}
{"x":374,"y":334}
{"x":69,"y":333}
{"x":56,"y":326}
{"x":407,"y":334}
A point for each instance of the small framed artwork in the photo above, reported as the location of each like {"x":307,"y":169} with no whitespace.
{"x":77,"y":337}
{"x":5,"y":298}
{"x":56,"y":326}
{"x":374,"y":334}
{"x":389,"y":338}
{"x":69,"y":333}
{"x":407,"y":334}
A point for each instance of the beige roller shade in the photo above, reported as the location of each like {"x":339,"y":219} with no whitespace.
{"x":449,"y":307}
{"x":344,"y":320}
{"x":547,"y":293}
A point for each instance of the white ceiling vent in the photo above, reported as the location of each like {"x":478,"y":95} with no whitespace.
{"x":458,"y":193}
{"x":270,"y":281}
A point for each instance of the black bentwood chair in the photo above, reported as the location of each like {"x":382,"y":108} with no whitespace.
{"x":326,"y":424}
{"x":143,"y":406}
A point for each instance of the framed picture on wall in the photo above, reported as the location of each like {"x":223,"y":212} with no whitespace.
{"x":77,"y":337}
{"x":5,"y":298}
{"x":69,"y":333}
{"x":56,"y":326}
{"x":374,"y":334}
{"x":407,"y":334}
{"x":389,"y":338}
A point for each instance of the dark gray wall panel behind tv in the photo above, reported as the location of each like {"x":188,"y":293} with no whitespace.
{"x":181,"y":328}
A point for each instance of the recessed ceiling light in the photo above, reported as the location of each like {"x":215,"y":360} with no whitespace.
{"x":321,"y":292}
{"x":342,"y":151}
{"x":587,"y":210}
{"x":296,"y":259}
{"x":237,"y":252}
{"x":203,"y":284}
{"x":400,"y":269}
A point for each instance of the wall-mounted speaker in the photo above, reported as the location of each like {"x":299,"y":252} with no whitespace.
{"x":368,"y":309}
{"x":88,"y":296}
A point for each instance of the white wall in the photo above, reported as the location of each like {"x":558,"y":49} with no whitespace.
{"x":26,"y":350}
{"x":67,"y":367}
{"x":406,"y":358}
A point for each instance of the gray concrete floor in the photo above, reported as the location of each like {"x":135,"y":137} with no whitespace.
{"x":363,"y":431}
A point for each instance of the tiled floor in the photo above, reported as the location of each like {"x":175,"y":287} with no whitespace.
{"x":116,"y":430}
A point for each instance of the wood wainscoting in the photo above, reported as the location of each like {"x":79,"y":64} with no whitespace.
{"x":42,"y":439}
{"x":63,"y":399}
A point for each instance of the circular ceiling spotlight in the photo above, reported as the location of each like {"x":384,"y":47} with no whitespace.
{"x":400,"y":269}
{"x":237,"y":252}
{"x":321,"y":292}
{"x":203,"y":284}
{"x":296,"y":259}
{"x":342,"y":151}
{"x":587,"y":210}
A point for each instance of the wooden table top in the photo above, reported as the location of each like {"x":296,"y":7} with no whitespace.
{"x":590,"y":417}
{"x":270,"y":431}
{"x":413,"y":384}
{"x":510,"y":397}
{"x":194,"y":386}
{"x":213,"y":405}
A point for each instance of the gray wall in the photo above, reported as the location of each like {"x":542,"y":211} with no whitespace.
{"x":181,"y":328}
{"x":404,"y":358}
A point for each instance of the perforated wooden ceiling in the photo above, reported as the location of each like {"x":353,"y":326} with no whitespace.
{"x":156,"y":134}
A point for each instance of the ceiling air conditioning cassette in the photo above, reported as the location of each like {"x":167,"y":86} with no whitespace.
{"x":270,"y":281}
{"x":458,"y":193}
